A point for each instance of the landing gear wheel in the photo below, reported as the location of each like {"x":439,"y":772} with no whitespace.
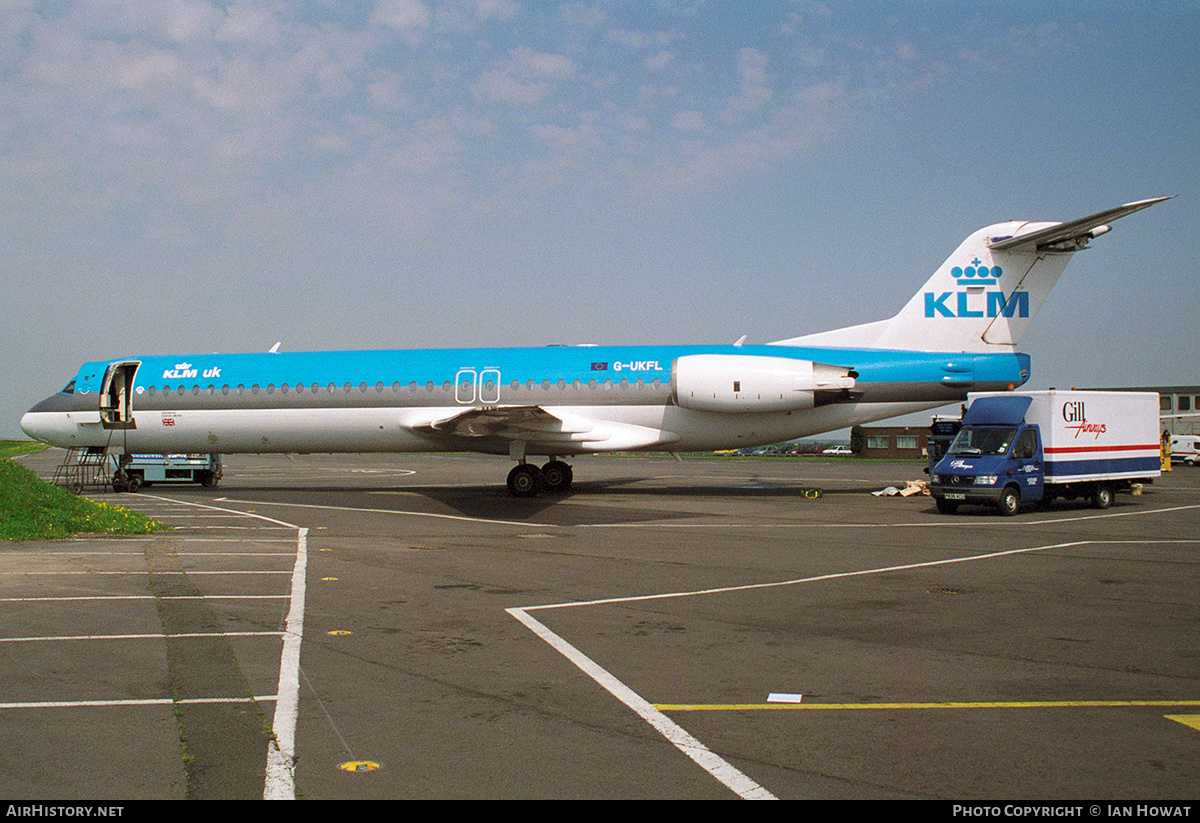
{"x":557,"y":477}
{"x":120,"y":482}
{"x":524,"y":481}
{"x":133,"y":484}
{"x":947,"y":506}
{"x":1009,"y":502}
{"x":1102,"y":497}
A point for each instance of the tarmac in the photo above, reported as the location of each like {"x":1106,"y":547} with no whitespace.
{"x":398,"y":626}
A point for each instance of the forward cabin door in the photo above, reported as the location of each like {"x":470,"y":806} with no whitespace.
{"x":116,"y":396}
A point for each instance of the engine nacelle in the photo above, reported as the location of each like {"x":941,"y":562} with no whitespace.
{"x":753,"y":383}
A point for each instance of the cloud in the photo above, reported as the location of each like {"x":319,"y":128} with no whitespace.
{"x":688,"y":120}
{"x":401,"y":15}
{"x":525,"y":76}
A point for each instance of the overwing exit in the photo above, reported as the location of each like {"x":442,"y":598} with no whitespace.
{"x":958,"y":333}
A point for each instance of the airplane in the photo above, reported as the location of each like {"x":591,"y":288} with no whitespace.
{"x":958,"y":333}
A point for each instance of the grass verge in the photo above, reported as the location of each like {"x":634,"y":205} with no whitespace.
{"x":32,"y":509}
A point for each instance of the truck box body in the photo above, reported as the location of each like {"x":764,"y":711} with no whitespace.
{"x":1096,"y":435}
{"x":1082,"y":443}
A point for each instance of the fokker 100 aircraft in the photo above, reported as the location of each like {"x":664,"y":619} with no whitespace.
{"x":957,"y":334}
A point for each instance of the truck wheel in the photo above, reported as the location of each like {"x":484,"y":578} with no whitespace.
{"x":1102,"y":496}
{"x":947,"y":506}
{"x":207,"y":480}
{"x":1009,"y":502}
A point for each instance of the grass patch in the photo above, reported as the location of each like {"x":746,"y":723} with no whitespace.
{"x":32,"y":509}
{"x":15,"y":448}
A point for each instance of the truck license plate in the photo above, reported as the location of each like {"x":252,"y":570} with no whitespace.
{"x":955,"y":496}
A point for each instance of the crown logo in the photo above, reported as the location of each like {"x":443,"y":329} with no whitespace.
{"x":976,"y":275}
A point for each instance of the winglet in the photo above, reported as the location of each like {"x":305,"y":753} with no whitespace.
{"x":1073,"y":235}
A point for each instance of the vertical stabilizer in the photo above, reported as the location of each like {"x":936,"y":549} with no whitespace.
{"x":986,"y":293}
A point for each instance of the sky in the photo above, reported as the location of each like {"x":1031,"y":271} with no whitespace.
{"x":202,"y":176}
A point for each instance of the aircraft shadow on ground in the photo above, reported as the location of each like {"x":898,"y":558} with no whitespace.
{"x":493,"y":502}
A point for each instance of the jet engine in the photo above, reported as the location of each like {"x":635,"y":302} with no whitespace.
{"x":754,"y":383}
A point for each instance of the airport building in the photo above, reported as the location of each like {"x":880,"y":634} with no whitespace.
{"x":895,"y":442}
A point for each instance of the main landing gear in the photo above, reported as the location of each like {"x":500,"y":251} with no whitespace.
{"x":526,"y":480}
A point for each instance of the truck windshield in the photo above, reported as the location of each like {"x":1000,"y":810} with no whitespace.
{"x":983,"y":440}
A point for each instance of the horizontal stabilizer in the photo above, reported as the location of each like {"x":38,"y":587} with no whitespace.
{"x":1073,"y":235}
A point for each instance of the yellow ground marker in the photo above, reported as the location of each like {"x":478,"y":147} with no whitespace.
{"x":1192,"y":720}
{"x":1020,"y":704}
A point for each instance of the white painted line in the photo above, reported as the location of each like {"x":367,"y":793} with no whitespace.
{"x":107,"y":597}
{"x":150,"y":701}
{"x":724,"y":772}
{"x":280,"y":780}
{"x":153,"y":636}
{"x":460,"y":518}
{"x":719,"y":768}
{"x":949,"y":522}
{"x":90,"y":573}
{"x":783,"y":697}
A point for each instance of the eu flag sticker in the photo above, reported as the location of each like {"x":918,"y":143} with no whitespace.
{"x":599,"y":367}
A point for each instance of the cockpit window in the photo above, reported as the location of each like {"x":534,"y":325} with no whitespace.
{"x":69,"y":388}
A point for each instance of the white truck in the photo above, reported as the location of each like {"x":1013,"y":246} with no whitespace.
{"x":1017,"y":447}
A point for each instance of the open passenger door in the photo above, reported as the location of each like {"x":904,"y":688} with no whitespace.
{"x":116,"y":395}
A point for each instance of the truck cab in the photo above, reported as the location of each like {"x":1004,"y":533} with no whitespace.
{"x":995,"y":460}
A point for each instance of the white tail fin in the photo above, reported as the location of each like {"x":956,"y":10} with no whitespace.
{"x":986,"y":294}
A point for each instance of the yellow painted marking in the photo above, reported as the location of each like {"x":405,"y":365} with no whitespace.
{"x":329,"y":579}
{"x":1192,"y":720}
{"x":339,"y":632}
{"x":359,"y":766}
{"x":1028,"y":704}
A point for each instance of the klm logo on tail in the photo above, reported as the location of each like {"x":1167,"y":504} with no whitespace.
{"x":976,"y":302}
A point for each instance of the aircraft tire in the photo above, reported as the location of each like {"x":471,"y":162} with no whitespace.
{"x":1009,"y":502}
{"x":524,"y":481}
{"x":557,"y":476}
{"x":133,"y":483}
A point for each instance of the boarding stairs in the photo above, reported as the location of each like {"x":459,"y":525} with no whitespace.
{"x":85,"y":469}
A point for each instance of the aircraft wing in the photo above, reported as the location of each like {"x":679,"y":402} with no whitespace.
{"x":497,"y":428}
{"x":1072,"y":235}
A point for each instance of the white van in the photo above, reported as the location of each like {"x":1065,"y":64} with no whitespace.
{"x":1185,"y":448}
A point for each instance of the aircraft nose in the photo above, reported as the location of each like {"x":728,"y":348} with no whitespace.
{"x":29,"y":425}
{"x":48,"y":421}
